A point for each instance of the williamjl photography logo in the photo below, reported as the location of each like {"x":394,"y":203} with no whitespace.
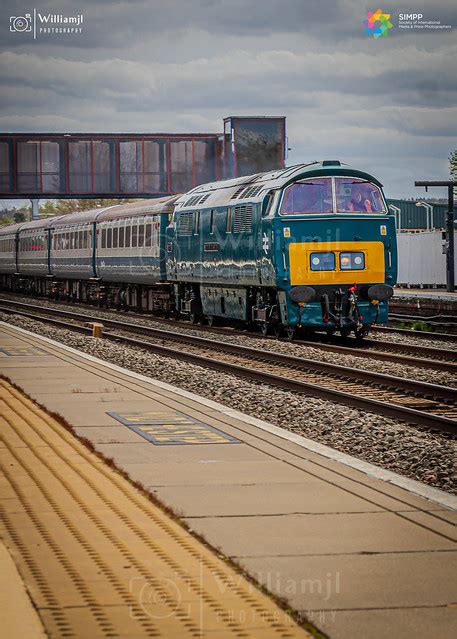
{"x":377,"y":24}
{"x":36,"y":24}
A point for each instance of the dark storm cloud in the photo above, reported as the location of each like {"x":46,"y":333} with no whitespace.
{"x":181,"y":65}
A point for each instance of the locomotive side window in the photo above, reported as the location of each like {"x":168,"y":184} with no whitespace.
{"x":352,"y":261}
{"x":321,"y":261}
{"x":197,"y":223}
{"x":312,"y":196}
{"x":212,"y":221}
{"x":229,"y":220}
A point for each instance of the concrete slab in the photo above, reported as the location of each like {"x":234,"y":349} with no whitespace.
{"x":403,"y":623}
{"x":220,"y":473}
{"x":132,"y":453}
{"x":263,"y":499}
{"x":317,"y":534}
{"x":350,"y":581}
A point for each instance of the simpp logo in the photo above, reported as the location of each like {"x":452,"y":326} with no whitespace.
{"x":377,"y":24}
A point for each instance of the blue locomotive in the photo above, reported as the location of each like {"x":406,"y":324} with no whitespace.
{"x":310,"y":247}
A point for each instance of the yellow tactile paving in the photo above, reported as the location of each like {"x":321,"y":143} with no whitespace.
{"x":98,"y":558}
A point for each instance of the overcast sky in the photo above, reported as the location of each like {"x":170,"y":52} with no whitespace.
{"x":387,"y":106}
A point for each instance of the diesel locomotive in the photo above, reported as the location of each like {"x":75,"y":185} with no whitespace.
{"x":311,"y":247}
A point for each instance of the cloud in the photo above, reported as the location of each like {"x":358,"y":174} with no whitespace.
{"x":182,"y":66}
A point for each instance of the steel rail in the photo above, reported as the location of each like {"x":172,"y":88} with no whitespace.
{"x":445,"y":359}
{"x":357,"y":400}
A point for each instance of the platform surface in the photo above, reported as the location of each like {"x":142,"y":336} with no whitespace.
{"x":425,"y":293}
{"x":357,"y":556}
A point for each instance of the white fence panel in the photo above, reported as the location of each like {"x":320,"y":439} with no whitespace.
{"x":421,"y":261}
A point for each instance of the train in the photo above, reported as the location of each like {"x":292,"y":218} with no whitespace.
{"x":307,"y":248}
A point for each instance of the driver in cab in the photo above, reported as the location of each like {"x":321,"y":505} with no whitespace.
{"x":357,"y":203}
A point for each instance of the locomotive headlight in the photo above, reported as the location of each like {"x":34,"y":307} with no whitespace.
{"x":352,"y":261}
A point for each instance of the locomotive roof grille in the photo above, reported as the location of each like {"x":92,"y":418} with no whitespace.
{"x":246,"y":191}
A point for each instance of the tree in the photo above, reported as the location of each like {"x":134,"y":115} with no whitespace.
{"x":20,"y":215}
{"x":453,"y":169}
{"x":453,"y":165}
{"x":62,"y":207}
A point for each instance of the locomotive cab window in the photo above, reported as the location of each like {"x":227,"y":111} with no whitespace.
{"x":310,"y":196}
{"x":321,"y":261}
{"x":358,"y":196}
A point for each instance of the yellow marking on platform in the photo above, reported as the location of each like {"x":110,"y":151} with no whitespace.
{"x":172,"y":428}
{"x":99,"y":559}
{"x":26,"y":351}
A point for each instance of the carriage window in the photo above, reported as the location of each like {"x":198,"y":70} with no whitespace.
{"x":322,"y":261}
{"x":103,"y":238}
{"x":121,"y":237}
{"x":109,"y":237}
{"x":115,"y":237}
{"x":134,"y":236}
{"x":358,"y":196}
{"x":127,"y":236}
{"x":312,"y":196}
{"x":141,"y":235}
{"x":148,"y":234}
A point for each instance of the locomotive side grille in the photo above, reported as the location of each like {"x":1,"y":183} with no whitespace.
{"x":243,"y":218}
{"x":186,"y":223}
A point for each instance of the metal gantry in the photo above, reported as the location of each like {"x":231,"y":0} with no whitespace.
{"x":449,"y":246}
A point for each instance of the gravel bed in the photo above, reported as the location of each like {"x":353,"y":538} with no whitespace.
{"x":288,"y":348}
{"x":420,"y":455}
{"x":400,"y":338}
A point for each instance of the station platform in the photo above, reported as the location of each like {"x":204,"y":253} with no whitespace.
{"x":426,"y":293}
{"x":132,"y":508}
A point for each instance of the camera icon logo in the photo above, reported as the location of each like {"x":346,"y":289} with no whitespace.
{"x":22,"y":24}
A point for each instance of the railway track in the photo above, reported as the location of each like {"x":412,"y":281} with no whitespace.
{"x":420,"y":403}
{"x":413,"y":355}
